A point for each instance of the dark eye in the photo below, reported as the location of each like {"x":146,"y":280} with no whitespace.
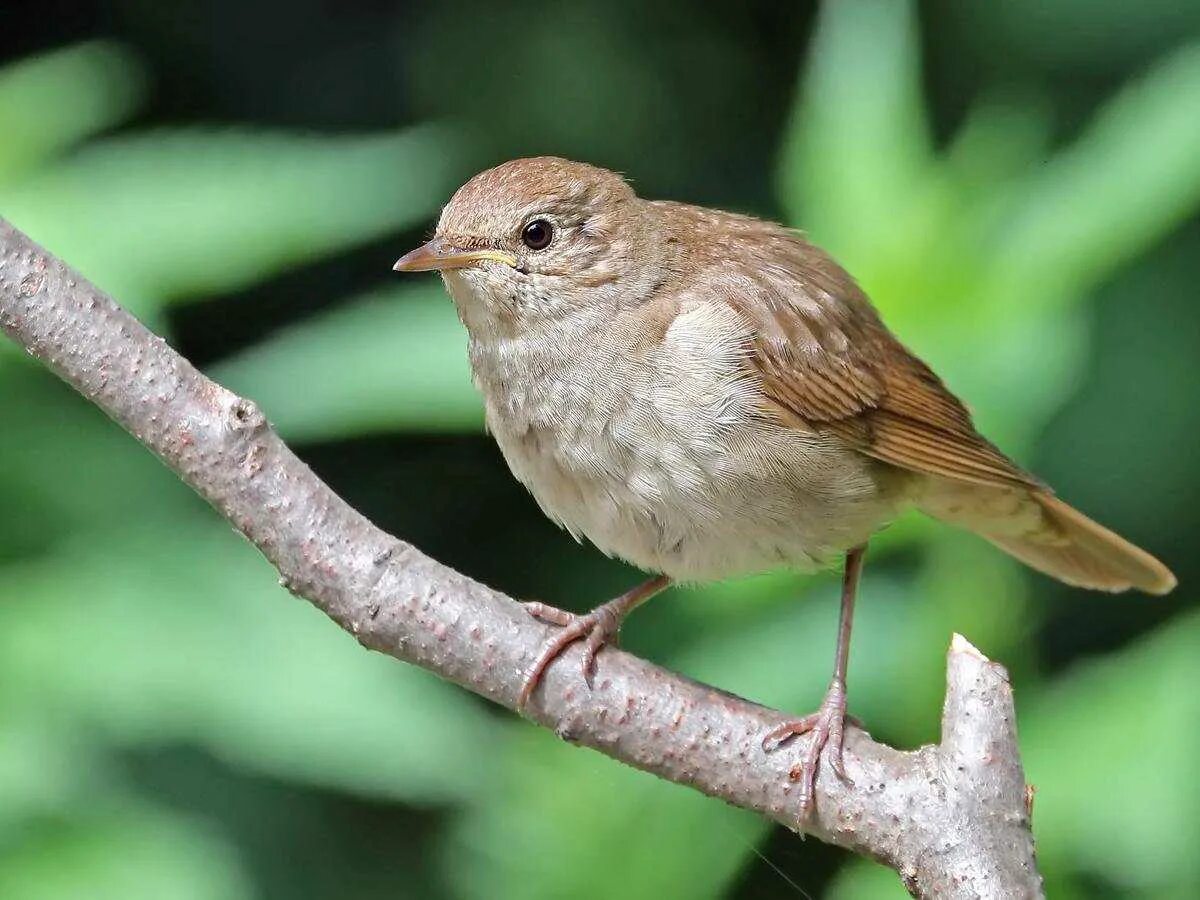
{"x":537,"y":235}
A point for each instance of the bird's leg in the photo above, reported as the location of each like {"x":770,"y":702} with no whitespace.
{"x":599,"y":627}
{"x":826,"y":724}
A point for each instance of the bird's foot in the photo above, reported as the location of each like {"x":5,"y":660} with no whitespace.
{"x":599,"y":627}
{"x":827,"y":728}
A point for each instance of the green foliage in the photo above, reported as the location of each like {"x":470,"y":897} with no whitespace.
{"x":70,"y":827}
{"x":226,"y":208}
{"x":168,"y":630}
{"x":975,"y":254}
{"x":1113,"y":763}
{"x":409,"y":371}
{"x":188,"y":638}
{"x":122,"y":854}
{"x":48,"y":103}
{"x":133,"y":622}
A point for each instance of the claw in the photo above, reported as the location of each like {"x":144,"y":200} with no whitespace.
{"x":595,"y":627}
{"x":828,"y":733}
{"x":599,"y":627}
{"x":836,"y":737}
{"x":551,"y":615}
{"x":776,"y":737}
{"x":591,"y":647}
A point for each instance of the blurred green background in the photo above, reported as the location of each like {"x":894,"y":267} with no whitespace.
{"x":1016,"y":185}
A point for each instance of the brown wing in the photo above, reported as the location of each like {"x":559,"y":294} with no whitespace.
{"x":824,"y":357}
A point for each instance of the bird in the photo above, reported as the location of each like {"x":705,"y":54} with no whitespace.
{"x":705,"y":394}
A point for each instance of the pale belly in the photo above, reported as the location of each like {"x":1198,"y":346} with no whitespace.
{"x":703,"y":503}
{"x":659,"y":453}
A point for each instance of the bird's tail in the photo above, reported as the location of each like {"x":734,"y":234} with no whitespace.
{"x":1048,"y":535}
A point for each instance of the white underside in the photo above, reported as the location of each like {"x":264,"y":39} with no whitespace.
{"x":657,"y":453}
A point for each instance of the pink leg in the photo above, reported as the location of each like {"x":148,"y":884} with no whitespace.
{"x":827,"y":723}
{"x":597,"y":628}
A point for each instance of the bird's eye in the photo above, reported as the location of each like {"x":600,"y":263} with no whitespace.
{"x":537,"y":234}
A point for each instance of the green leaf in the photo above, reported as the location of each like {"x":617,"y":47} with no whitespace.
{"x":171,"y":215}
{"x":858,"y":148}
{"x":180,"y":634}
{"x":50,"y":102}
{"x":45,"y":766}
{"x":1132,"y":176}
{"x":1071,"y":41}
{"x":1002,"y":138}
{"x":394,"y":360}
{"x":127,"y":853}
{"x":1112,"y":748}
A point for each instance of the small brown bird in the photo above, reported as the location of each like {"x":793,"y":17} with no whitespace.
{"x":706,"y":395}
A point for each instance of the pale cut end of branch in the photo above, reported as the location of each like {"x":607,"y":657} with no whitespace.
{"x":985,"y":782}
{"x":959,"y":644}
{"x":978,"y":718}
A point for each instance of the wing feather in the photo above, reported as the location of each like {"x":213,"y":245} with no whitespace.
{"x":823,"y":356}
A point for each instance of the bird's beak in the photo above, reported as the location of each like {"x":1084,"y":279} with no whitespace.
{"x":439,"y":255}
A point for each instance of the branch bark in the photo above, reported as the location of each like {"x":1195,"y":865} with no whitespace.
{"x":951,"y":819}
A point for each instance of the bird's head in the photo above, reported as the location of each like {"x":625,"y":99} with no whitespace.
{"x":535,"y":240}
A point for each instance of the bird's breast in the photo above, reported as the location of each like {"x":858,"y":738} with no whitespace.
{"x":659,"y":455}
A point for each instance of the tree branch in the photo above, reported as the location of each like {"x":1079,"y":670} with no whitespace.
{"x":951,"y":819}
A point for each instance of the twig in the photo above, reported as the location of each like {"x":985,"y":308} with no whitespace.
{"x":950,"y":819}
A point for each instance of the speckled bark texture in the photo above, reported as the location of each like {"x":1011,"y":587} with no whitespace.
{"x":952,"y":819}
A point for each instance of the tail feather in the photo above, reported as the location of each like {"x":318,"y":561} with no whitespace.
{"x":1049,"y":535}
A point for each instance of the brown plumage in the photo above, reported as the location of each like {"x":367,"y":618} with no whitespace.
{"x":825,"y":361}
{"x":706,"y":394}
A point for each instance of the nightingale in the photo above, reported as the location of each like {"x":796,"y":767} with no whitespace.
{"x":705,"y":394}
